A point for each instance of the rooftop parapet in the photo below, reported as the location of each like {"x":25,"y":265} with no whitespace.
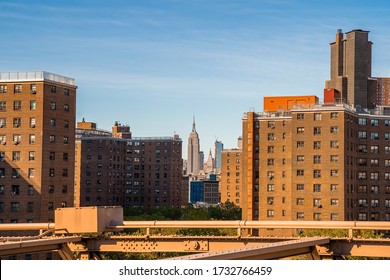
{"x":35,"y":76}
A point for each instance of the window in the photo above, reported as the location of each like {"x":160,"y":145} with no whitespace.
{"x":362,"y":189}
{"x":387,"y":203}
{"x":33,"y":88}
{"x":387,"y":150}
{"x":53,"y":89}
{"x":271,"y":175}
{"x":65,"y":156}
{"x":333,"y":187}
{"x":52,"y":138}
{"x":270,"y":187}
{"x":32,"y":122}
{"x":300,"y":201}
{"x":300,"y":187}
{"x":31,"y":173}
{"x":271,"y":136}
{"x":362,"y":175}
{"x":317,"y":145}
{"x":52,"y":105}
{"x":66,"y":107}
{"x":51,"y":188}
{"x":362,"y":202}
{"x":17,"y":105}
{"x":317,"y":159}
{"x":317,"y":202}
{"x":317,"y":188}
{"x":374,"y":162}
{"x":374,"y":136}
{"x":65,"y":140}
{"x":362,"y":135}
{"x":362,"y":149}
{"x":387,"y":176}
{"x":33,"y":105}
{"x":300,"y":158}
{"x":66,"y":92}
{"x":270,"y":200}
{"x":15,"y":207}
{"x":51,"y":172}
{"x":270,"y":149}
{"x":334,"y":216}
{"x":3,"y":88}
{"x":374,"y":189}
{"x":334,"y":173}
{"x":362,"y":216}
{"x":300,"y":130}
{"x":52,"y":122}
{"x":30,"y":190}
{"x":3,"y":122}
{"x":316,"y":173}
{"x":32,"y":139}
{"x":16,"y":156}
{"x":64,"y":172}
{"x":270,"y":213}
{"x":374,"y":122}
{"x":15,"y":173}
{"x":374,"y":202}
{"x":334,"y":158}
{"x":270,"y":161}
{"x":317,"y":130}
{"x":50,"y":206}
{"x":300,"y":116}
{"x":300,"y":172}
{"x":375,"y":149}
{"x":300,"y":215}
{"x":334,"y":115}
{"x":271,"y":124}
{"x":362,"y":162}
{"x":334,"y":202}
{"x":16,"y":139}
{"x":66,"y":124}
{"x":3,"y":106}
{"x":334,"y":129}
{"x":3,"y":139}
{"x":362,"y":121}
{"x":317,"y":116}
{"x":300,"y":144}
{"x":387,"y":162}
{"x":15,"y":190}
{"x":17,"y":122}
{"x":17,"y":88}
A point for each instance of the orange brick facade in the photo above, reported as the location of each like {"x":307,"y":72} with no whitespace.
{"x":37,"y":119}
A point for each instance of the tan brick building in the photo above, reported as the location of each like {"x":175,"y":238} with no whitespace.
{"x":37,"y":120}
{"x":323,"y":163}
{"x":231,"y":177}
{"x":113,"y":168}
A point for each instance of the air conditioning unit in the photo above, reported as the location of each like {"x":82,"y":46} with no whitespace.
{"x":2,"y":125}
{"x":32,"y":125}
{"x":16,"y":125}
{"x":319,"y":206}
{"x":3,"y":142}
{"x":33,"y":91}
{"x":16,"y":142}
{"x":14,"y":176}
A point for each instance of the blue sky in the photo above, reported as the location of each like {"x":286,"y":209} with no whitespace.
{"x":153,"y":64}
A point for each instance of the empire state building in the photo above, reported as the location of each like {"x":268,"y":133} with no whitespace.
{"x":193,"y":151}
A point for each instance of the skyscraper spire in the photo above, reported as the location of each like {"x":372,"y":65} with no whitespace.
{"x":193,"y":124}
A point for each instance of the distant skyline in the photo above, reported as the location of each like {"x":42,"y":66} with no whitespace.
{"x":154,"y":64}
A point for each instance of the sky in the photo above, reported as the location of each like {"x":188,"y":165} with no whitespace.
{"x":154,"y":65}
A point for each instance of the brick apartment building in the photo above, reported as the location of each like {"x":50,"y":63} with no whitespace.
{"x":329,"y":161}
{"x":37,"y":120}
{"x":231,"y":176}
{"x":113,"y":168}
